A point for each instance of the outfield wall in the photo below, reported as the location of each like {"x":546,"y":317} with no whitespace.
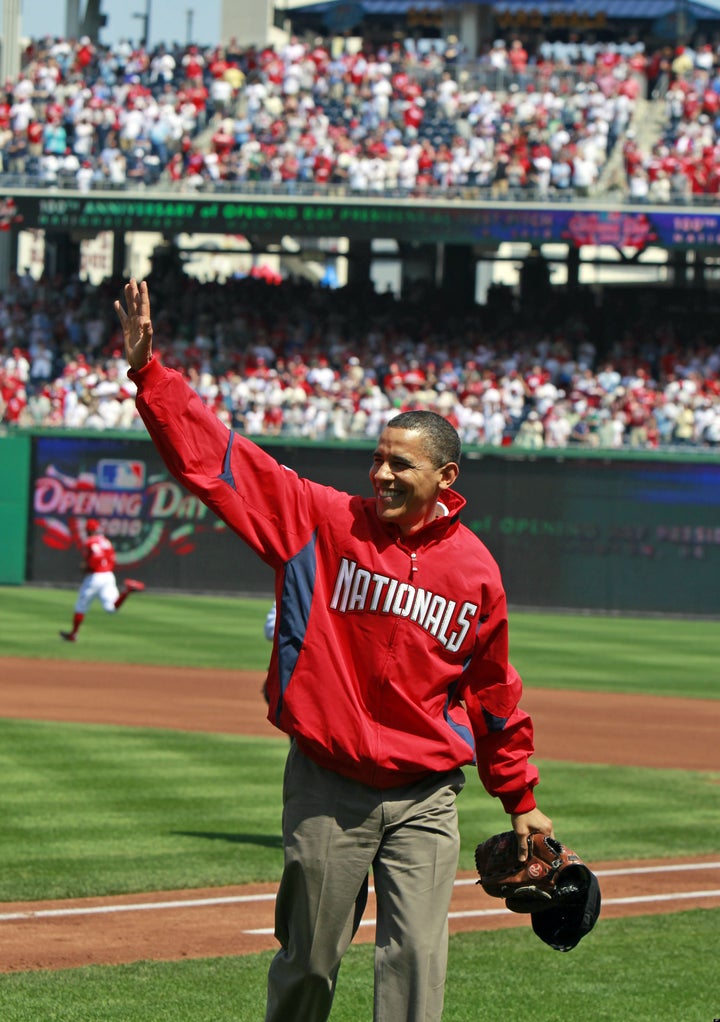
{"x":15,"y":509}
{"x":568,"y":528}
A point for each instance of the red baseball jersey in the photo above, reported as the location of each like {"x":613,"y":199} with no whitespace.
{"x":98,"y":554}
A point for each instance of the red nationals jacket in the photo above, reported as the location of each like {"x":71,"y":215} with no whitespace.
{"x":390,"y":658}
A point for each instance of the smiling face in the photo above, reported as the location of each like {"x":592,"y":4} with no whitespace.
{"x":406,"y":482}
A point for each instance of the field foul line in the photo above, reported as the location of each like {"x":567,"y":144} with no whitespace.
{"x":483,"y":912}
{"x":239,"y":899}
{"x":139,"y":907}
{"x":634,"y":870}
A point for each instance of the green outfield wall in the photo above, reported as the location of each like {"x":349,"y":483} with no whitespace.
{"x":15,"y":509}
{"x":570,"y":529}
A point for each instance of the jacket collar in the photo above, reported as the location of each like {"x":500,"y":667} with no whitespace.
{"x":454,"y":502}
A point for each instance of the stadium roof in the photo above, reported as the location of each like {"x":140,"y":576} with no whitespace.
{"x":641,"y":10}
{"x":362,"y":7}
{"x":646,"y":10}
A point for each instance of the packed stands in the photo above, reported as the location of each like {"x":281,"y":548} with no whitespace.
{"x":297,"y":361}
{"x":304,"y":118}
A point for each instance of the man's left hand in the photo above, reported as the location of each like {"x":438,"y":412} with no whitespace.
{"x":524,"y":824}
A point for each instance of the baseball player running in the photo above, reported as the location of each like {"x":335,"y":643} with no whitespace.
{"x":99,"y":582}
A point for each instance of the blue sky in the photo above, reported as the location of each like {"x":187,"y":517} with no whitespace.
{"x":168,"y":19}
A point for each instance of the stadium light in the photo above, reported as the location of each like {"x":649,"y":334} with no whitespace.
{"x":145,"y":18}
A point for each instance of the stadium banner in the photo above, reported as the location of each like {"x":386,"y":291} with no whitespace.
{"x":161,"y":533}
{"x":578,"y":533}
{"x":452,"y":221}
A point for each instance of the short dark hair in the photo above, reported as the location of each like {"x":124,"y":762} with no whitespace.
{"x":441,"y":439}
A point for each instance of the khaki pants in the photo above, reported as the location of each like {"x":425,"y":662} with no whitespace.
{"x":334,"y":831}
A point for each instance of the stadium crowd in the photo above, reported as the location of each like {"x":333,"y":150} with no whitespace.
{"x":297,"y":361}
{"x":398,"y":119}
{"x":684,"y":162}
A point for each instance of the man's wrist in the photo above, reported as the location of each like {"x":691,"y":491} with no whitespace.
{"x":132,"y":371}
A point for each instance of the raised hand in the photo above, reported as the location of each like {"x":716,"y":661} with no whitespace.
{"x":136,"y":324}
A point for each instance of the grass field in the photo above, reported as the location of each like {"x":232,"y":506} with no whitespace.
{"x":191,"y":810}
{"x":180,"y":809}
{"x":637,"y":970}
{"x":576,"y":651}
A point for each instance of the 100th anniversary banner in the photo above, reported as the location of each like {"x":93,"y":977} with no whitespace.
{"x":404,"y":219}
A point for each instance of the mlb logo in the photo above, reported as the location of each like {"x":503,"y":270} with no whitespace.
{"x":119,"y":474}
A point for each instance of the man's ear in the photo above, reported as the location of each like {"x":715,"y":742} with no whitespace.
{"x":448,"y":474}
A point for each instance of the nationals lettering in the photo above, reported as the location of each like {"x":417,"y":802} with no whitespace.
{"x":360,"y":590}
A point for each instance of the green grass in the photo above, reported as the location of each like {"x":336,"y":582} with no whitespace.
{"x":653,"y":656}
{"x":658,"y":656}
{"x":640,"y":969}
{"x":91,"y":810}
{"x":187,"y":631}
{"x":94,"y":810}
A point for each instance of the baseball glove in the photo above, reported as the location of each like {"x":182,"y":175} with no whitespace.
{"x":552,"y":874}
